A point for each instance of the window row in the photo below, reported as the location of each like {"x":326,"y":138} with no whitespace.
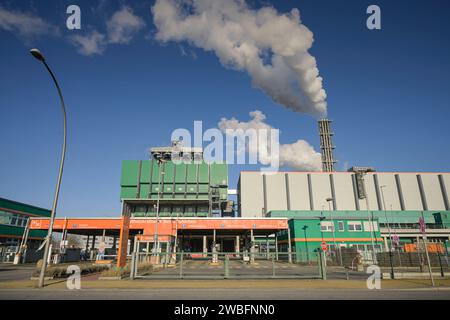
{"x":13,"y":219}
{"x":353,"y":226}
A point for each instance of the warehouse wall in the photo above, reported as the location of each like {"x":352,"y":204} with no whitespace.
{"x":290,"y":191}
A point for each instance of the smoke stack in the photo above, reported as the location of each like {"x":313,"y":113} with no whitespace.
{"x":326,"y":145}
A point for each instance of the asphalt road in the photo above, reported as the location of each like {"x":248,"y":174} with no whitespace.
{"x":10,"y":272}
{"x":224,"y":294}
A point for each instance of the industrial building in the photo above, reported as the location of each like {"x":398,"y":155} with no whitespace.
{"x":14,"y":217}
{"x":175,"y":201}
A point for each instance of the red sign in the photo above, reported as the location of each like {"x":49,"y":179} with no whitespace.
{"x":422,"y":225}
{"x":324,"y":246}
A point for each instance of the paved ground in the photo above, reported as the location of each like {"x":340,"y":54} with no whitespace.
{"x":10,"y":272}
{"x":261,"y":269}
{"x":224,"y":294}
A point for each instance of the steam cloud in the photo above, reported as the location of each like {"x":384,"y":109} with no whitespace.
{"x":299,"y":155}
{"x":271,"y":47}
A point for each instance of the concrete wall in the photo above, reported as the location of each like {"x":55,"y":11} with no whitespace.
{"x":294,"y":195}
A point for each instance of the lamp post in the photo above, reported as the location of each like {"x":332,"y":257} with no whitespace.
{"x":38,"y":55}
{"x":390,"y":234}
{"x":161,"y":173}
{"x":329,"y":200}
{"x":369,"y":215}
{"x":385,"y":215}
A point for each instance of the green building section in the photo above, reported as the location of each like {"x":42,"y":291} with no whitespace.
{"x":308,"y":229}
{"x":13,"y":219}
{"x":184,"y":189}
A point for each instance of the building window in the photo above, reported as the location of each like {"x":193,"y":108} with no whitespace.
{"x":341,"y":226}
{"x":354,"y":226}
{"x":13,"y":219}
{"x":326,"y":226}
{"x":368,"y":226}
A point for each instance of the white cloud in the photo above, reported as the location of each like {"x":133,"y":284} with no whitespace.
{"x":299,"y":155}
{"x":123,"y":25}
{"x":25,"y":24}
{"x":93,"y":43}
{"x":271,"y":47}
{"x":120,"y":29}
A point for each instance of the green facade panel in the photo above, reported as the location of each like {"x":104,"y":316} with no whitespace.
{"x":25,"y":208}
{"x":144,"y":180}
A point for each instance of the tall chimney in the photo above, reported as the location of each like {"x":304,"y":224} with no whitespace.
{"x":326,"y":145}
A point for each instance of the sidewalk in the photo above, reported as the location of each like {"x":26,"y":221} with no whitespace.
{"x":88,"y":283}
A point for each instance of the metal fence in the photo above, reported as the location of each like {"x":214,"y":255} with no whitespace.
{"x":222,"y":265}
{"x":350,"y":263}
{"x":413,"y":264}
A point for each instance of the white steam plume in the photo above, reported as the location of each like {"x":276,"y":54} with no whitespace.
{"x":271,"y":47}
{"x":299,"y":155}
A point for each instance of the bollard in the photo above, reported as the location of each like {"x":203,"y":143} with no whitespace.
{"x":181,"y":265}
{"x":273,"y":266}
{"x":132,"y":267}
{"x":323,"y":265}
{"x":227,"y":271}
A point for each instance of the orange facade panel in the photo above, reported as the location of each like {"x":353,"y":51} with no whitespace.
{"x":165,"y":225}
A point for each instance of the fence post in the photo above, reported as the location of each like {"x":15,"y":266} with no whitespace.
{"x":440,"y":264}
{"x":181,"y":265}
{"x":392,"y":264}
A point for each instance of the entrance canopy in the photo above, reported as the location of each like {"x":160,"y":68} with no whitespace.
{"x":166,"y":226}
{"x":126,"y":227}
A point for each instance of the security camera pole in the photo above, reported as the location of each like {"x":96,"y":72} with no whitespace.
{"x":38,"y":55}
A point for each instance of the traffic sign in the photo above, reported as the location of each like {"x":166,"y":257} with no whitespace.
{"x":324,"y":246}
{"x":422,"y":225}
{"x":396,"y":240}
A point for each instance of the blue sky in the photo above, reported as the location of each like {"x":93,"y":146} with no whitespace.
{"x":388,"y":94}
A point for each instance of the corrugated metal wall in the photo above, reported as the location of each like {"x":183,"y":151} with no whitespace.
{"x":259,"y":194}
{"x":142,"y":180}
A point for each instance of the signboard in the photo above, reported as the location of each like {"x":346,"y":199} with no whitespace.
{"x":324,"y":246}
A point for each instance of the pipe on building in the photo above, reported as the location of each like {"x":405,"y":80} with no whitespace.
{"x":444,"y":192}
{"x":423,"y":198}
{"x":400,"y":192}
{"x":288,"y":196}
{"x":311,"y":199}
{"x":355,"y":192}
{"x":377,"y":191}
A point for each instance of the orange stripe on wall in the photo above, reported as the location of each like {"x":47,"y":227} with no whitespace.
{"x":332,"y":240}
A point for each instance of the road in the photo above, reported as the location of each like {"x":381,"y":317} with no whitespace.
{"x":225,"y":294}
{"x":10,"y":272}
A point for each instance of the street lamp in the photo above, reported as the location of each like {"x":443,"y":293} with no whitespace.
{"x":385,"y":215}
{"x":390,"y":235}
{"x":156,"y":238}
{"x":329,"y":200}
{"x":39,"y":56}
